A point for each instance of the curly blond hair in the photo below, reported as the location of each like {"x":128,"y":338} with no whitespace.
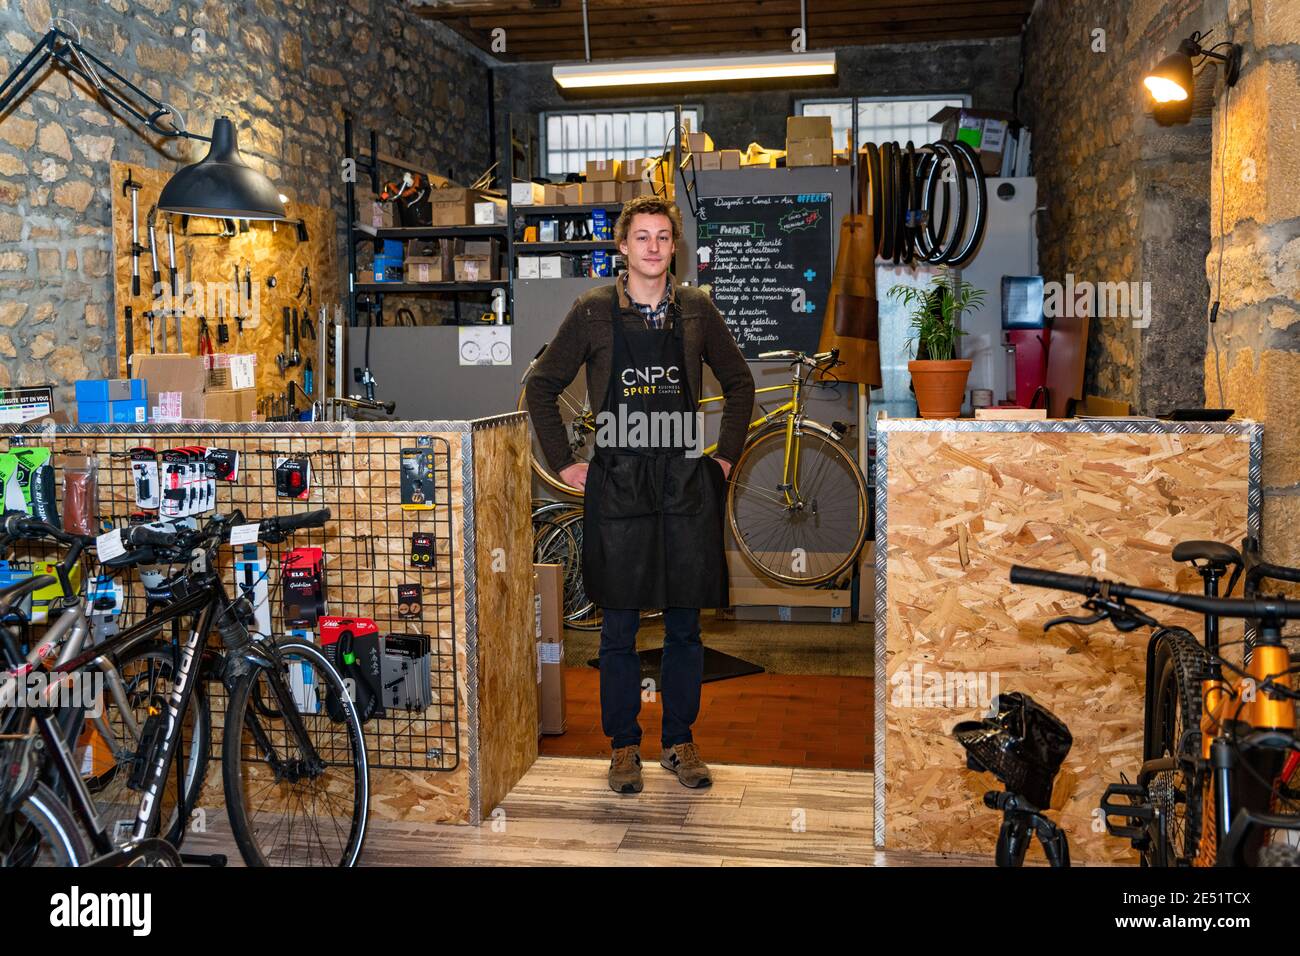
{"x":647,"y":206}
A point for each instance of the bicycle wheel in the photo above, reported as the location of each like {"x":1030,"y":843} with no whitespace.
{"x":295,"y":799}
{"x":579,"y":426}
{"x":42,"y":832}
{"x":112,"y":741}
{"x":817,"y":537}
{"x":1173,"y":731}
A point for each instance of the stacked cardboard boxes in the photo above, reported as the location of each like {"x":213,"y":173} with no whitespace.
{"x":809,"y":141}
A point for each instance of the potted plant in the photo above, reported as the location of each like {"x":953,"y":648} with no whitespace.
{"x":938,"y":379}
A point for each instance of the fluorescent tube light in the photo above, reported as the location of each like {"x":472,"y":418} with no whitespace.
{"x":714,"y":69}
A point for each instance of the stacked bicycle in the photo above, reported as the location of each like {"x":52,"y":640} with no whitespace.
{"x":295,"y":773}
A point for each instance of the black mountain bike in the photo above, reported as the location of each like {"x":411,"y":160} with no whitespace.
{"x":296,"y":780}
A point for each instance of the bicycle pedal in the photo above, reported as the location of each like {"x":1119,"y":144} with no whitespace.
{"x":1140,"y":811}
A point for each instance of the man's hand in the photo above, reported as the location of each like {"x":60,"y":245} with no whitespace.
{"x":726,"y":466}
{"x":575,"y":475}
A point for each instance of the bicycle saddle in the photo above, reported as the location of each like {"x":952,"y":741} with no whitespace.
{"x":1214,"y":552}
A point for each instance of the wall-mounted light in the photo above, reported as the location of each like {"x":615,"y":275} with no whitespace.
{"x":1172,"y":83}
{"x":716,"y":69}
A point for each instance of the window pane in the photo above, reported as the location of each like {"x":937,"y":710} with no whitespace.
{"x":573,"y":138}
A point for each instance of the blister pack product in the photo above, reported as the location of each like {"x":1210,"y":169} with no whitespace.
{"x":81,"y":495}
{"x":225,"y":463}
{"x":422,"y":549}
{"x":410,"y":606}
{"x":144,"y":472}
{"x":293,"y":477}
{"x":29,"y":483}
{"x":417,"y":479}
{"x":107,"y":597}
{"x":174,"y":484}
{"x":351,"y":644}
{"x":251,"y":574}
{"x":405,"y":663}
{"x":304,"y":586}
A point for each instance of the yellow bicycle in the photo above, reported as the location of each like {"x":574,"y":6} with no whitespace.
{"x":796,"y":501}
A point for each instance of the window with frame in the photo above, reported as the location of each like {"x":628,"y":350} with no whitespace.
{"x":571,"y":139}
{"x":883,"y":120}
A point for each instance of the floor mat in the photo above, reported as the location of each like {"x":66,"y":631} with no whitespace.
{"x":717,"y":665}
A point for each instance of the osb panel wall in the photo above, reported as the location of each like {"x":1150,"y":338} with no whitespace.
{"x":962,"y":507}
{"x":213,"y":259}
{"x":507,"y":652}
{"x":366,"y":545}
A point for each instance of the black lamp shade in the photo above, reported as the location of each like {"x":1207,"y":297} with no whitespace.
{"x":1171,"y":81}
{"x":221,"y":184}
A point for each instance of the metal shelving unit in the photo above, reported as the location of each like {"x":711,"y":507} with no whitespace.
{"x":584,"y":245}
{"x":405,"y":288}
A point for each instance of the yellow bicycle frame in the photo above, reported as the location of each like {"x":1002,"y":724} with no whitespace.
{"x":792,"y":412}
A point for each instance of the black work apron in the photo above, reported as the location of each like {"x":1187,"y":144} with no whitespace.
{"x":652,"y":530}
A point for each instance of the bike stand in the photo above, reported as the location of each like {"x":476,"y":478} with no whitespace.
{"x":1018,"y":818}
{"x":203,"y":859}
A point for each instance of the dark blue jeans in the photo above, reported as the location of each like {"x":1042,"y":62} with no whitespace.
{"x":620,"y":675}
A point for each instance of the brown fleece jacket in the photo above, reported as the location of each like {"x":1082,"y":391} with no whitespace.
{"x":586,"y":337}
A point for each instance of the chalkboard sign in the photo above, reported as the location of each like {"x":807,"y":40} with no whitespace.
{"x":768,"y":261}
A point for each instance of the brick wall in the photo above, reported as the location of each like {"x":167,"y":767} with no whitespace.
{"x":286,"y":70}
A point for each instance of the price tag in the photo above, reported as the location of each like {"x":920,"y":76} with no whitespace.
{"x":245,"y":533}
{"x":109,"y":545}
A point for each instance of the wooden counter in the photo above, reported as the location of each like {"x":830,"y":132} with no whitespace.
{"x":958,"y":503}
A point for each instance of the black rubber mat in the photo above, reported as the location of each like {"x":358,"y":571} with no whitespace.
{"x":717,"y":665}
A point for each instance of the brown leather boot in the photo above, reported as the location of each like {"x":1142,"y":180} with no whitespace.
{"x":625,"y":770}
{"x":684,"y":760}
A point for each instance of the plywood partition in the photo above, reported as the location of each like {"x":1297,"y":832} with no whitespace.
{"x":958,"y":503}
{"x":270,"y":253}
{"x":453,"y":762}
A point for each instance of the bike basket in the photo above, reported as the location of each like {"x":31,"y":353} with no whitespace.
{"x":1023,"y":746}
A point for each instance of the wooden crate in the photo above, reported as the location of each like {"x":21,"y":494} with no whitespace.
{"x":958,"y":503}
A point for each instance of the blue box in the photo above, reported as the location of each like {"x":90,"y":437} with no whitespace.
{"x":601,"y":262}
{"x":601,"y":227}
{"x":388,"y":270}
{"x":394,"y":249}
{"x":129,"y":412}
{"x":109,"y":389}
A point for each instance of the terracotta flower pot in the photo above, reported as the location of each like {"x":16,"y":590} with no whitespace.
{"x":940,"y":386}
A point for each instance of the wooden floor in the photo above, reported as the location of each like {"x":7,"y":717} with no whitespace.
{"x":563,"y":814}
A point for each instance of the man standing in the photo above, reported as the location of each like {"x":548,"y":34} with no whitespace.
{"x":652,"y":529}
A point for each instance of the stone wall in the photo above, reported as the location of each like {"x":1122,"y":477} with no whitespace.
{"x":286,"y":70}
{"x":1126,"y":199}
{"x":1257,"y":164}
{"x":986,"y":69}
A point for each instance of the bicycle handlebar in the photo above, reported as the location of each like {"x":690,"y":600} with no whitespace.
{"x":1268,"y":608}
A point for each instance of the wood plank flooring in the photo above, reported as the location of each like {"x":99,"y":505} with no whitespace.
{"x":562,"y":813}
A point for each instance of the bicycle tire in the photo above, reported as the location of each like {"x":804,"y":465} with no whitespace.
{"x":746,"y":538}
{"x":234,"y":766}
{"x":199,"y":754}
{"x":1173,"y":720}
{"x":52,"y":825}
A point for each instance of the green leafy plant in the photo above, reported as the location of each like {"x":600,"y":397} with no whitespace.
{"x":936,"y":311}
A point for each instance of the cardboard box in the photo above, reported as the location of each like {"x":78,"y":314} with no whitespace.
{"x":809,"y":152}
{"x":528,"y":267}
{"x":554,"y":267}
{"x":570,"y":194}
{"x":984,"y":131}
{"x":550,"y":648}
{"x":475,"y":269}
{"x":490,"y":212}
{"x":634,"y":169}
{"x":707,"y":161}
{"x":527,"y":194}
{"x":809,"y":127}
{"x":628,"y":191}
{"x":603,"y":170}
{"x":454,"y":205}
{"x":181,"y":374}
{"x":230,"y":405}
{"x":729,"y":158}
{"x":699,"y":142}
{"x":130,"y":411}
{"x":428,"y":269}
{"x":603,"y":191}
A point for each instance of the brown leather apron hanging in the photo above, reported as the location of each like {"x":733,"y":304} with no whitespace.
{"x":852,"y":322}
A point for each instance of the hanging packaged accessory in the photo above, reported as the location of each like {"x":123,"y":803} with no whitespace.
{"x":29,"y":483}
{"x":293,"y":477}
{"x":304,"y":586}
{"x":144,"y":470}
{"x":351,"y":644}
{"x":409,"y":604}
{"x":422,"y":549}
{"x":174,"y":494}
{"x":407,"y":684}
{"x":417,"y":479}
{"x":81,"y":495}
{"x":225,"y":463}
{"x":251,"y":573}
{"x":107,"y":598}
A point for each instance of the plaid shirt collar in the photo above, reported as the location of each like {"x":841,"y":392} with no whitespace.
{"x":655,"y":315}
